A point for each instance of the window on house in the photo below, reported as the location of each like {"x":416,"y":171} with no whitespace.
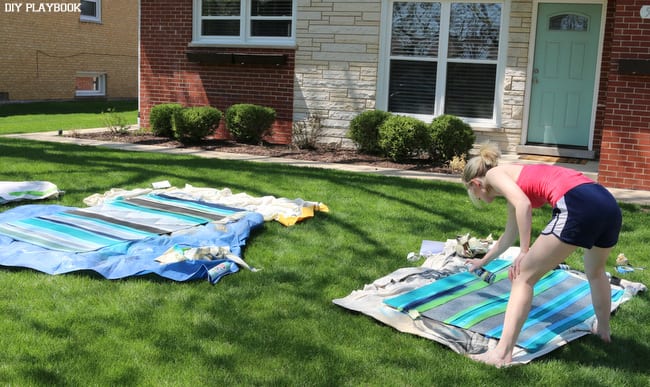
{"x":244,"y":22}
{"x":90,"y":84}
{"x":566,"y":22}
{"x":444,"y":59}
{"x":91,"y":10}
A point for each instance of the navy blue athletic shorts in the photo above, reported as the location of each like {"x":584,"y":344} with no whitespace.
{"x":586,"y":216}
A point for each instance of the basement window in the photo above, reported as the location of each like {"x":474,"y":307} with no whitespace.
{"x":91,"y":11}
{"x":90,"y":84}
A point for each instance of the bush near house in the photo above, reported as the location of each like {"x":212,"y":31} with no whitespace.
{"x":402,"y":137}
{"x":364,"y":130}
{"x":450,"y":137}
{"x":248,"y":123}
{"x":193,"y":124}
{"x":160,"y":119}
{"x":306,"y":133}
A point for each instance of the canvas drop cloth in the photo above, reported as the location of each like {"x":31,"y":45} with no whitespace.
{"x":441,"y":301}
{"x":179,"y":234}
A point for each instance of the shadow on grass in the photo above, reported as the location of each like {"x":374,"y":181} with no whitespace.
{"x":67,"y":107}
{"x":282,"y":318}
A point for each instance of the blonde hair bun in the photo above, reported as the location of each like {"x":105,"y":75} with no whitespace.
{"x":488,"y":157}
{"x":490,"y":154}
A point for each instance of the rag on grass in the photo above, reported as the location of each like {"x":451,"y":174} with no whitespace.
{"x":11,"y":191}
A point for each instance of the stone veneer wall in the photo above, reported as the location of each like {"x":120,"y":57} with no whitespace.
{"x":337,"y":65}
{"x":514,"y":83}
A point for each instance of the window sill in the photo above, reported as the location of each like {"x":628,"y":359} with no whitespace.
{"x":486,"y":128}
{"x":93,"y":21}
{"x":285,"y":46}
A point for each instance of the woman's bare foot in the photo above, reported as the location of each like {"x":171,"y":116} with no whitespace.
{"x":604,"y":333}
{"x":491,"y":357}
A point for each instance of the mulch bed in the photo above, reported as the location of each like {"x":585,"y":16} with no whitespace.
{"x":325,"y":155}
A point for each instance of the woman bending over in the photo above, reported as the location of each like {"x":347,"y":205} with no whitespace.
{"x":585,"y":215}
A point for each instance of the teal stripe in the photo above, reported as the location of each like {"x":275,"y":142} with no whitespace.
{"x":433,"y":288}
{"x":192,"y":220}
{"x":534,"y":343}
{"x":69,"y":231}
{"x":497,"y":264}
{"x":174,"y":207}
{"x":477,"y":285}
{"x":550,"y":308}
{"x":425,"y":293}
{"x":48,"y":240}
{"x":123,"y":232}
{"x":556,"y":305}
{"x":477,"y":313}
{"x":617,"y":294}
{"x":191,"y":204}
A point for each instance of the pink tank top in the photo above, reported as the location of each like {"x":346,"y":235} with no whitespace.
{"x":544,"y":183}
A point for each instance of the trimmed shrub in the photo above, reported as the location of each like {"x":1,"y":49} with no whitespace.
{"x":193,"y":124}
{"x":160,"y":119}
{"x":248,"y":123}
{"x":402,"y":137}
{"x":450,"y":137}
{"x":364,"y":130}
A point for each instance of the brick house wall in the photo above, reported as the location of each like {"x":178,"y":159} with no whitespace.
{"x":336,"y":67}
{"x":42,"y":52}
{"x":171,"y":72}
{"x":333,"y":74}
{"x":625,"y":150}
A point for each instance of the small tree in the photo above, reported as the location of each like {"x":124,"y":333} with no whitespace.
{"x":248,"y":123}
{"x":115,"y":122}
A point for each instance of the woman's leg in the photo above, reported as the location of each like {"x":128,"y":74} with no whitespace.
{"x":546,"y":253}
{"x":595,"y":260}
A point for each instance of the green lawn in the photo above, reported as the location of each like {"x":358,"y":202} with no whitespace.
{"x":277,"y":326}
{"x":50,"y":116}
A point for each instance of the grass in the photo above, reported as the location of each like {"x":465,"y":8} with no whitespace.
{"x":51,"y":116}
{"x":277,"y":326}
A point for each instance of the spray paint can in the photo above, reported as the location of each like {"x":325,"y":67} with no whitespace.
{"x":485,"y":275}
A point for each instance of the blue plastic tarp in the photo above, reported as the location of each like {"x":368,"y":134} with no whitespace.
{"x":134,"y":258}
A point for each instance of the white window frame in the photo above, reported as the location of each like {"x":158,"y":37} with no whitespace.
{"x":101,"y":84}
{"x":245,"y":38}
{"x":98,"y":17}
{"x":383,"y":78}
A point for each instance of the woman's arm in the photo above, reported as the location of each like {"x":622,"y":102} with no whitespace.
{"x":505,"y":186}
{"x":503,"y":243}
{"x":519,"y":216}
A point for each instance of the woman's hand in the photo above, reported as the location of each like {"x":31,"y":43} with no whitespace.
{"x":514,"y":270}
{"x":474,"y":263}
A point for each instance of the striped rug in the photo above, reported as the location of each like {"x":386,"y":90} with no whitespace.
{"x":446,"y":289}
{"x":561,"y":301}
{"x":122,"y":220}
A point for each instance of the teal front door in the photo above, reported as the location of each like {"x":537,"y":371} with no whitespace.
{"x":564,"y":75}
